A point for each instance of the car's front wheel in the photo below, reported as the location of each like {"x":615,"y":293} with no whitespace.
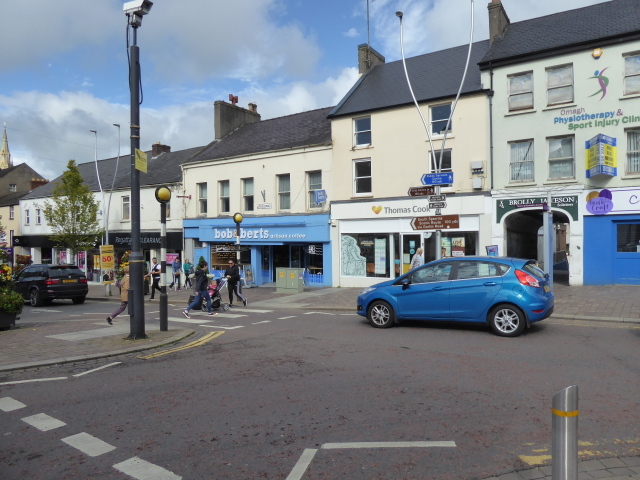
{"x":507,"y":320}
{"x":35,"y":299}
{"x":381,"y":314}
{"x":78,"y":300}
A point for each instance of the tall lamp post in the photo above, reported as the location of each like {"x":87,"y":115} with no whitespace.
{"x":163,"y":196}
{"x":237,"y":217}
{"x":134,"y":11}
{"x":105,"y":240}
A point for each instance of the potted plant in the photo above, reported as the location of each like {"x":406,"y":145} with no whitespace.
{"x":11,"y":303}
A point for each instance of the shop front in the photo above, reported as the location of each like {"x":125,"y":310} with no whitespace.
{"x":265,"y":245}
{"x":376,"y":239}
{"x":612,"y":236}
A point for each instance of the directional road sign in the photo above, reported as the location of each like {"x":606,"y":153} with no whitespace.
{"x":436,"y":222}
{"x":437,"y":204}
{"x":421,"y":191}
{"x":441,"y":178}
{"x":438,"y":198}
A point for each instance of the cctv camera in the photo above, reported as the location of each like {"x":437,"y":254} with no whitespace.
{"x":137,"y":7}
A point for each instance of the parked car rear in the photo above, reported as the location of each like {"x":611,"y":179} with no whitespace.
{"x":40,"y":284}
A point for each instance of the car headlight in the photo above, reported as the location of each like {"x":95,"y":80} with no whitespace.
{"x":367,"y":290}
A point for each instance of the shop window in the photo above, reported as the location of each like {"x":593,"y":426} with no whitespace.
{"x":455,"y":244}
{"x":441,"y":166}
{"x":520,"y":91}
{"x":247,"y":194}
{"x":560,"y":85}
{"x":126,"y":210}
{"x":521,"y":161}
{"x":439,"y":118}
{"x":633,"y":151}
{"x":365,"y":255}
{"x":362,"y":177}
{"x":561,"y":161}
{"x":202,"y":198}
{"x":315,"y":183}
{"x":225,"y":206}
{"x":631,"y":74}
{"x":628,"y":237}
{"x":362,"y":131}
{"x":284,"y":192}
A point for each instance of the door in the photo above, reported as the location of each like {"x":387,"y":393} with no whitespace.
{"x":410,"y":245}
{"x":475,"y":285}
{"x":427,"y":295}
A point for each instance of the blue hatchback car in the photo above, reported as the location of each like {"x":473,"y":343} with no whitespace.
{"x":507,"y":293}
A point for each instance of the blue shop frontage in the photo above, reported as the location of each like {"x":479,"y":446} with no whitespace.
{"x":266,"y":244}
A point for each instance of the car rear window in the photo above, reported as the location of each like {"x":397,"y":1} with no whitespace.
{"x":533,"y":269}
{"x":65,"y":271}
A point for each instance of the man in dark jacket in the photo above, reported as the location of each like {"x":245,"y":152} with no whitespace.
{"x":233,"y":275}
{"x":201,"y":284}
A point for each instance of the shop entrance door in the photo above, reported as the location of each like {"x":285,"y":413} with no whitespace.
{"x":410,"y":245}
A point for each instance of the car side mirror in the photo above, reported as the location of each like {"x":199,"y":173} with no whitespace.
{"x":405,"y":282}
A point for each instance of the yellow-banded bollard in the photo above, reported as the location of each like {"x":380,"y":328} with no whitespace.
{"x":564,"y":430}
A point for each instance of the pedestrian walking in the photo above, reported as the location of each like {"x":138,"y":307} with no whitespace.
{"x":124,"y":296}
{"x":187,"y":268}
{"x":202,"y":283}
{"x":417,"y":259}
{"x":176,"y":267}
{"x":233,"y":275}
{"x":155,"y":277}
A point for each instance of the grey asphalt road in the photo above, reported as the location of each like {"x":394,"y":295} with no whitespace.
{"x":304,"y":395}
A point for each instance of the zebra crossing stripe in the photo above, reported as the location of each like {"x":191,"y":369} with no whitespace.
{"x":142,"y":470}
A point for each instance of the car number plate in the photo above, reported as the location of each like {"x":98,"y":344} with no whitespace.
{"x":546,"y":288}
{"x":69,"y":281}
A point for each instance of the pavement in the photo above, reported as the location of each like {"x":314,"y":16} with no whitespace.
{"x":34,"y":343}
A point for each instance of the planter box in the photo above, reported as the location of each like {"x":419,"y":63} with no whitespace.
{"x":7,"y":320}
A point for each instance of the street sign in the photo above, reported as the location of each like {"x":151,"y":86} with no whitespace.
{"x":436,"y":222}
{"x":421,"y":191}
{"x":441,"y":178}
{"x":437,"y":205}
{"x":320,"y":196}
{"x":438,"y":198}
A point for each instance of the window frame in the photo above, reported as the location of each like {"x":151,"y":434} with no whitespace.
{"x":283,"y":194}
{"x":520,"y":93}
{"x":561,"y":159}
{"x":126,"y":208}
{"x":437,"y":159}
{"x":313,"y":187}
{"x":224,"y":200}
{"x":632,"y":75}
{"x":356,"y":178}
{"x":432,"y":122}
{"x":12,"y":212}
{"x":38,"y":216}
{"x":550,"y":89}
{"x":27,"y":218}
{"x":528,"y":160}
{"x":634,"y":153}
{"x":202,"y":188}
{"x":363,"y":132}
{"x":247,"y":198}
{"x":13,"y":187}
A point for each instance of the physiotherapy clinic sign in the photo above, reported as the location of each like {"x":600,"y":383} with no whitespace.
{"x":601,"y":156}
{"x":568,"y":203}
{"x":578,"y":118}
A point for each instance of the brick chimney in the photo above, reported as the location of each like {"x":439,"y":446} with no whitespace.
{"x":228,"y":117}
{"x":367,"y":58}
{"x":498,"y":20}
{"x":37,"y":182}
{"x":158,"y":148}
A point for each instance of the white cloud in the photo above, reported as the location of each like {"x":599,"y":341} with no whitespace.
{"x":351,"y":33}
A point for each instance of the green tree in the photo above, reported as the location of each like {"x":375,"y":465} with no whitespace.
{"x":73,"y":213}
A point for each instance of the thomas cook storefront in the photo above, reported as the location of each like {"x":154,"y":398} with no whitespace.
{"x":375,"y":239}
{"x":266,"y":244}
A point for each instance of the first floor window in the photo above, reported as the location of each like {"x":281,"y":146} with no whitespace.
{"x":362,"y":131}
{"x":561,"y":161}
{"x":521,"y":161}
{"x":628,"y":237}
{"x":560,"y":85}
{"x":225,"y":206}
{"x":633,"y":151}
{"x":12,"y":212}
{"x":315,"y":183}
{"x":442,"y":162}
{"x":439,"y":117}
{"x":247,"y":194}
{"x":362,"y":177}
{"x":202,"y":198}
{"x":26,"y":217}
{"x":38,"y":217}
{"x":632,"y":74}
{"x":521,"y":91}
{"x":125,"y":208}
{"x":284,"y":192}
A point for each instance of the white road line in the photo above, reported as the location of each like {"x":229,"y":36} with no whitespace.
{"x":88,"y":444}
{"x":43,"y":422}
{"x":263,"y":321}
{"x":255,"y":310}
{"x":42,"y":310}
{"x":34,"y":380}
{"x":96,"y":369}
{"x":303,"y":464}
{"x":223,"y":327}
{"x":8,"y":404}
{"x":328,"y":446}
{"x":290,"y":316}
{"x":189,"y":320}
{"x":143,"y":470}
{"x":319,"y":313}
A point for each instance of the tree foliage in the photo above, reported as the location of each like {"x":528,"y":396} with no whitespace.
{"x":73,"y":213}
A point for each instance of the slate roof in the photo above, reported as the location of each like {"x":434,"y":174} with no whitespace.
{"x":595,"y":25}
{"x":433,"y":76}
{"x":293,"y":131}
{"x":165,"y":168}
{"x":12,"y":198}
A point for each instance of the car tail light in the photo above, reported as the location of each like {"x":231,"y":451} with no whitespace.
{"x":51,"y":281}
{"x":83,"y":280}
{"x":525,"y":279}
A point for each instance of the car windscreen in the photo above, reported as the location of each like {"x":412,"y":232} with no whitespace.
{"x":55,"y":272}
{"x":533,"y":269}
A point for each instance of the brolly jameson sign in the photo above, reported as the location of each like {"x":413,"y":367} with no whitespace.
{"x":436,"y":222}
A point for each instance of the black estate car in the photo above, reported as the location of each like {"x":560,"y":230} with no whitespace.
{"x":41,"y":284}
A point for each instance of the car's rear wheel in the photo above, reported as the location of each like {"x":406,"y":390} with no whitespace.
{"x":507,"y":320}
{"x":381,"y":314}
{"x":35,"y":299}
{"x":78,"y":300}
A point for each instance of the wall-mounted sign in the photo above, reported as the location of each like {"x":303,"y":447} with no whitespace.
{"x":320,"y":196}
{"x":569,"y":203}
{"x":601,"y":156}
{"x":441,"y":178}
{"x":264,"y":206}
{"x":436,"y":222}
{"x":421,"y":191}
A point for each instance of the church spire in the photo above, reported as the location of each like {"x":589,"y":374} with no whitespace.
{"x":5,"y":156}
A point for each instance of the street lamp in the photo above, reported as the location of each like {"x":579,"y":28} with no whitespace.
{"x":237,"y":217}
{"x":134,"y":11}
{"x":102,"y":209}
{"x":163,"y":196}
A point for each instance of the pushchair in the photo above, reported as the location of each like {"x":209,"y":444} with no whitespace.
{"x":216,"y":298}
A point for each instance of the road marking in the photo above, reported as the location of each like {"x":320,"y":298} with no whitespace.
{"x":44,"y":310}
{"x":254,"y":310}
{"x":189,"y":320}
{"x":224,"y":327}
{"x":595,"y":324}
{"x":329,"y":446}
{"x":43,"y":422}
{"x":319,"y":313}
{"x":96,"y":369}
{"x":196,"y":343}
{"x":16,"y":382}
{"x":88,"y":444}
{"x":290,"y":316}
{"x":263,"y":321}
{"x":303,"y":463}
{"x":143,"y":470}
{"x":8,"y":404}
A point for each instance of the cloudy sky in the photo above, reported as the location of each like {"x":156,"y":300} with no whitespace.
{"x":63,"y":65}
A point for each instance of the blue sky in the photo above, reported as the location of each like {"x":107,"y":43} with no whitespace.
{"x":64,"y":63}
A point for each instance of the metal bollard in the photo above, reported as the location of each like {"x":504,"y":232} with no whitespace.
{"x":564,"y":429}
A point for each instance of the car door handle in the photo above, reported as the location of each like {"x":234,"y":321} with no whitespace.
{"x":490,"y":284}
{"x":437,"y":288}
